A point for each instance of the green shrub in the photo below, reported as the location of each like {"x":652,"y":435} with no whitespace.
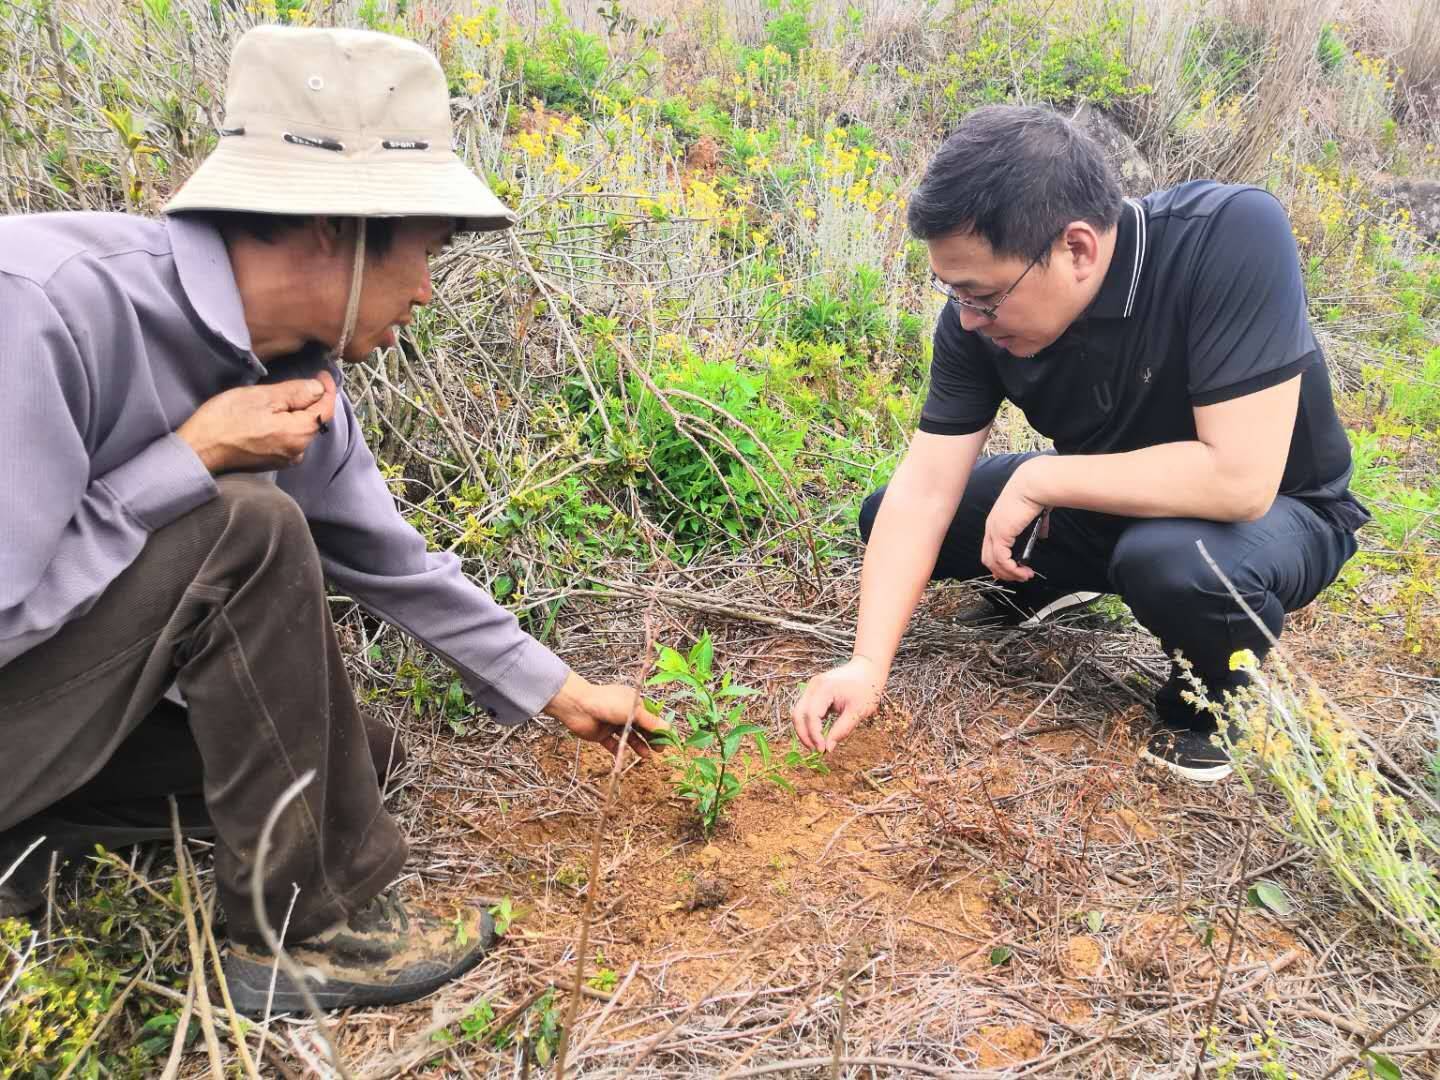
{"x":736,"y":492}
{"x":789,"y":29}
{"x":1330,"y":49}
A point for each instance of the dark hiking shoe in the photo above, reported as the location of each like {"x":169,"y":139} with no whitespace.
{"x":995,"y":608}
{"x":384,"y":954}
{"x":1188,"y":753}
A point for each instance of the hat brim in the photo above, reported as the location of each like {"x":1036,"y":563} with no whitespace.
{"x":244,"y":178}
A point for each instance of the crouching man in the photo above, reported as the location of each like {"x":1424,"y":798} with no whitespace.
{"x":1163,"y":345}
{"x":179,"y":474}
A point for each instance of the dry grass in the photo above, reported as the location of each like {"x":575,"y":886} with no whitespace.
{"x":1014,"y":815}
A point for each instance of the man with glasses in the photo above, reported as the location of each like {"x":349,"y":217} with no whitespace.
{"x":1163,"y":346}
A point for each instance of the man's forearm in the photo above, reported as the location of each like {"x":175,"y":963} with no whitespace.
{"x":1181,"y":479}
{"x":899,"y":558}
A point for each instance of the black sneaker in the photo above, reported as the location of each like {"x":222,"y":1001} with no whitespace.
{"x":1187,"y":753}
{"x":995,"y":608}
{"x":384,"y":954}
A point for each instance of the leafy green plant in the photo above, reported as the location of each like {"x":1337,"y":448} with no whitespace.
{"x":505,"y":914}
{"x":702,"y":471}
{"x":477,"y":1024}
{"x":605,"y":978}
{"x":1330,"y":49}
{"x":718,"y":769}
{"x":56,"y":993}
{"x":446,"y":697}
{"x":789,"y":30}
{"x":545,"y":1036}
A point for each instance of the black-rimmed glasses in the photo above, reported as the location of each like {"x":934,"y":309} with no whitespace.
{"x":988,"y":311}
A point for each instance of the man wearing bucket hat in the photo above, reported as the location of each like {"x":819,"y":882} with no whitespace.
{"x":164,"y":629}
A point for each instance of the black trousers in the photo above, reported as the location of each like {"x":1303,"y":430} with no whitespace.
{"x":1278,"y":564}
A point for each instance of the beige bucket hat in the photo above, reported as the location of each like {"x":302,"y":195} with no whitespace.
{"x":345,"y":123}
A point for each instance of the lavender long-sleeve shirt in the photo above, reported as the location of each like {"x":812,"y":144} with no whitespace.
{"x":113,"y":330}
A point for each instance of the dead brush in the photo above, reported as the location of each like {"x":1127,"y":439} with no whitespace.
{"x":1208,"y":114}
{"x":1339,"y":805}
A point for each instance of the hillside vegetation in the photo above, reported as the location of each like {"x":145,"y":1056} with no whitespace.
{"x":653,"y":408}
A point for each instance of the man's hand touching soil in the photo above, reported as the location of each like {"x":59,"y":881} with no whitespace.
{"x":851,"y":690}
{"x":597,"y":713}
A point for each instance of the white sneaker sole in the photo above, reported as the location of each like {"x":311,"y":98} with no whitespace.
{"x":1059,"y":604}
{"x":1206,"y":774}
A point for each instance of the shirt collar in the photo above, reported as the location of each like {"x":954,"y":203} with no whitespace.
{"x":208,"y":280}
{"x":1116,"y":298}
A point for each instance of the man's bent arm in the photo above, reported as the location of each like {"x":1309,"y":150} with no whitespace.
{"x":65,"y":535}
{"x":917,"y":509}
{"x":369,"y":550}
{"x":1230,"y":472}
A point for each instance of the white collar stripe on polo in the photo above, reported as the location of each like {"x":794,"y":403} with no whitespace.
{"x":1140,"y":241}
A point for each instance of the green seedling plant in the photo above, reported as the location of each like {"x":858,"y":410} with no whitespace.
{"x":504,"y":913}
{"x":722,"y":753}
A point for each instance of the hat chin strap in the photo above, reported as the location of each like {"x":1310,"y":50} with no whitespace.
{"x":352,"y":306}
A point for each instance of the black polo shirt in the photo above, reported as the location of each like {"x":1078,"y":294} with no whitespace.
{"x":1203,"y":302}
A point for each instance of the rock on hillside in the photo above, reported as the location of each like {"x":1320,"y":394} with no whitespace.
{"x":1420,"y":197}
{"x":1136,"y":175}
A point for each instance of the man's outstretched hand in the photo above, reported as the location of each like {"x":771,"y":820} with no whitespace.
{"x":852,"y":690}
{"x":597,"y":713}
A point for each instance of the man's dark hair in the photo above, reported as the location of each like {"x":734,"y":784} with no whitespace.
{"x":1015,"y":175}
{"x":267,"y":228}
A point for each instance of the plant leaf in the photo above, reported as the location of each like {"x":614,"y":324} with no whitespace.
{"x":1000,"y":955}
{"x":736,"y":691}
{"x":1382,"y":1066}
{"x":665,"y":677}
{"x":671,"y":661}
{"x":708,"y":769}
{"x":763,"y":745}
{"x":1265,"y":893}
{"x":703,"y":655}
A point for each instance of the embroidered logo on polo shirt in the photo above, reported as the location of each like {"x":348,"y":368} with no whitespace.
{"x":1145,"y":375}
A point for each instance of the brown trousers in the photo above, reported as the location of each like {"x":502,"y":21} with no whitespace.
{"x":228,"y":603}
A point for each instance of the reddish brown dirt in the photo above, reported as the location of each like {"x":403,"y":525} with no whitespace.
{"x":703,"y":157}
{"x":827,"y":864}
{"x":998,"y":1045}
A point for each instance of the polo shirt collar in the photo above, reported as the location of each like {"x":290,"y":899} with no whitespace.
{"x":208,"y":280}
{"x":1116,"y":298}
